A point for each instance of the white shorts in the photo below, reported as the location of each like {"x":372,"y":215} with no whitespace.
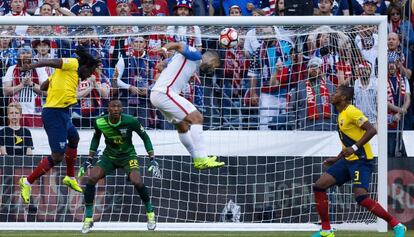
{"x":173,"y":106}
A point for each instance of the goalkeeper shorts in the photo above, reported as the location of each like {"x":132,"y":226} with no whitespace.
{"x":127,"y":163}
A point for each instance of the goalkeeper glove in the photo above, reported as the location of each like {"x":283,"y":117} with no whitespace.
{"x":86,"y":165}
{"x":155,"y":168}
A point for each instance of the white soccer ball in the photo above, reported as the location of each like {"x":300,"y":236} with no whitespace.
{"x":229,"y":38}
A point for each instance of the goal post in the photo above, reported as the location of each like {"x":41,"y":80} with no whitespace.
{"x":230,"y":144}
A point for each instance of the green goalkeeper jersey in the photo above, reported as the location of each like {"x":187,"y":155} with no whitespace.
{"x":118,"y":137}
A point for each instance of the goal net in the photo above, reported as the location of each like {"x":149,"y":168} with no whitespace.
{"x":266,"y":114}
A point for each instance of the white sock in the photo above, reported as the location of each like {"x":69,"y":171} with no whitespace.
{"x":187,"y":141}
{"x":198,"y":140}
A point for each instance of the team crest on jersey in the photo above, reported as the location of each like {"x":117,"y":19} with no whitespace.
{"x":98,"y":9}
{"x":361,"y":121}
{"x":62,"y":144}
{"x":341,"y":122}
{"x":123,"y":131}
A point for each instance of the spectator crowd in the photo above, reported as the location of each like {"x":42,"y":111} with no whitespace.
{"x":275,"y":78}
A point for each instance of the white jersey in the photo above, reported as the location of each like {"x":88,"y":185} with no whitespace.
{"x":365,"y":98}
{"x":26,"y":96}
{"x":369,"y":54}
{"x":179,"y":70}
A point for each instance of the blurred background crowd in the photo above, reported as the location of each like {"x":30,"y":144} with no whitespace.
{"x":276,"y":78}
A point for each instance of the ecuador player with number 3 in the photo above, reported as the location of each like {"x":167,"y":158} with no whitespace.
{"x":63,"y":137}
{"x":119,"y":152}
{"x":354,"y":163}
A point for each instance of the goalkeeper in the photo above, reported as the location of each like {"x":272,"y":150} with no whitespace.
{"x":119,"y":152}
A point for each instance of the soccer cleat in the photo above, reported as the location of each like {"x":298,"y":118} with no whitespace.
{"x":25,"y":190}
{"x":72,"y":183}
{"x":399,"y":230}
{"x":87,"y":225}
{"x":324,"y":233}
{"x":207,"y":163}
{"x":151,"y":224}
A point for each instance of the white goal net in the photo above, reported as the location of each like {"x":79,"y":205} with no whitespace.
{"x":266,"y":114}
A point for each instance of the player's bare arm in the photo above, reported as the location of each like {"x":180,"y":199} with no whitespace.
{"x":45,"y":85}
{"x":55,"y":63}
{"x":370,"y":132}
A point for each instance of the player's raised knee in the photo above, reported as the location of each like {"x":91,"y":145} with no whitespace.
{"x":195,"y":118}
{"x":359,"y":199}
{"x":137,"y":183}
{"x":73,"y":141}
{"x":91,"y":180}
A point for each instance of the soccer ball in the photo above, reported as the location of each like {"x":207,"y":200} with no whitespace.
{"x":229,"y":38}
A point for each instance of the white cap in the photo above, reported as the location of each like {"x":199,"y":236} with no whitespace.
{"x":315,"y":62}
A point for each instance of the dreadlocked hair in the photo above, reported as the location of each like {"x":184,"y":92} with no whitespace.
{"x":85,"y":58}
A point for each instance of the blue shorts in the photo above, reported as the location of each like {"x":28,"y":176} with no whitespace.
{"x":357,"y":171}
{"x":58,"y":127}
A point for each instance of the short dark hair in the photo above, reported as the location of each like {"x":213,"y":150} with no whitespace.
{"x":85,"y":58}
{"x":112,"y":100}
{"x":347,"y":91}
{"x":213,"y":55}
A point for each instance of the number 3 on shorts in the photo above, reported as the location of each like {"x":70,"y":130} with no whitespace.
{"x":133,"y":164}
{"x":356,"y":176}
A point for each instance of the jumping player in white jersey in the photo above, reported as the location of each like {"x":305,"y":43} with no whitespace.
{"x":165,"y":96}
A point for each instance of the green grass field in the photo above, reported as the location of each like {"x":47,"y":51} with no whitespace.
{"x":187,"y":234}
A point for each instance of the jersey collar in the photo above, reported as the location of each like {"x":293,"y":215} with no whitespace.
{"x":115,"y":124}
